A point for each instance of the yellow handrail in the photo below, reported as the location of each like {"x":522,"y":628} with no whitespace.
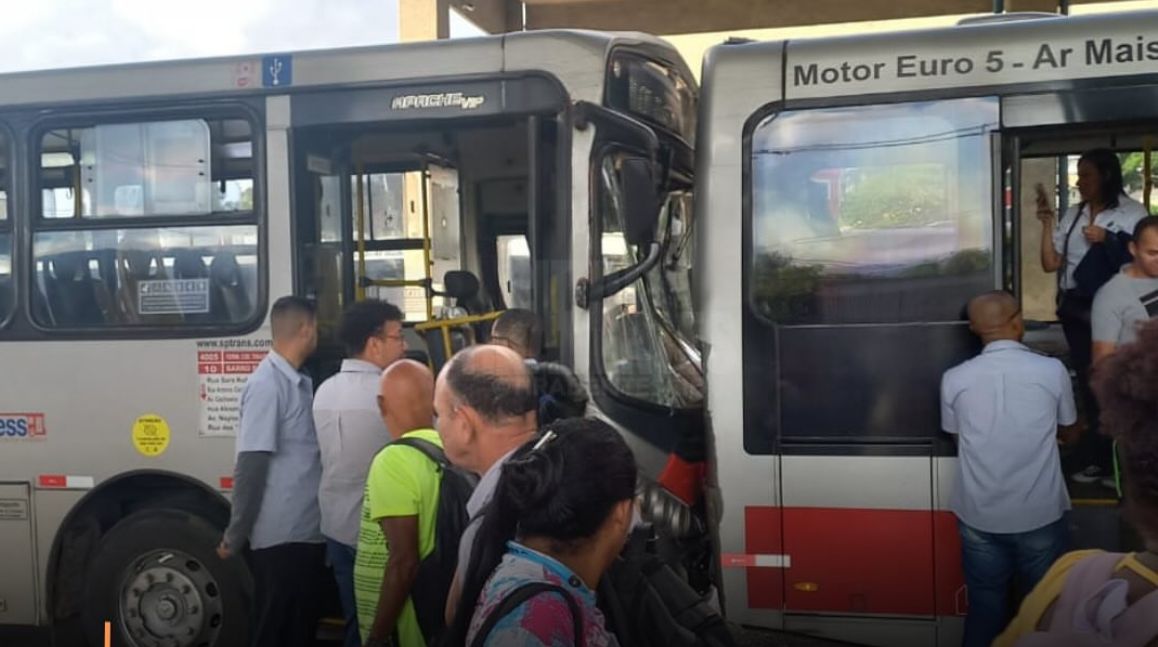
{"x":446,"y":324}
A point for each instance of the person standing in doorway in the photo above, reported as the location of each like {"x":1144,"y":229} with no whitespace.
{"x":275,"y":487}
{"x":351,"y":432}
{"x":1131,"y":298}
{"x":1089,"y":233}
{"x":1006,"y":409}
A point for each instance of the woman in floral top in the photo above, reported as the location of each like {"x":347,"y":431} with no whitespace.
{"x":560,"y":516}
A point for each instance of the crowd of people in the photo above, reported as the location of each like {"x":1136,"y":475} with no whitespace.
{"x":478,"y":507}
{"x":1010,"y":408}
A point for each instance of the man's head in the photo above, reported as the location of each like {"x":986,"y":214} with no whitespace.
{"x":406,"y":397}
{"x":372,"y":331}
{"x":1144,"y":246}
{"x":520,"y":331}
{"x":485,"y":404}
{"x":294,"y":324}
{"x":995,"y":316}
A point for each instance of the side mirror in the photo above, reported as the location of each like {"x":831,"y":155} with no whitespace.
{"x":640,"y":200}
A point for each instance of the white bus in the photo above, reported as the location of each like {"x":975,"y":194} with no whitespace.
{"x":150,"y":214}
{"x":852,"y":194}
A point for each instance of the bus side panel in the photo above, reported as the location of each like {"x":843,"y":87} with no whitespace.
{"x":17,"y":568}
{"x":886,"y":514}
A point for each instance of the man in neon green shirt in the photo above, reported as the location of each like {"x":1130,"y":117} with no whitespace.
{"x":398,"y":512}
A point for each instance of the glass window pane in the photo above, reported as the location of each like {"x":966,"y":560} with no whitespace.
{"x":514,"y":257}
{"x":6,"y":283}
{"x":160,"y":168}
{"x":399,"y":265}
{"x":872,"y":214}
{"x":146,"y":277}
{"x":635,"y":350}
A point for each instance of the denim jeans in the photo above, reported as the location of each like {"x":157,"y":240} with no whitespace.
{"x":341,"y":558}
{"x":992,"y":561}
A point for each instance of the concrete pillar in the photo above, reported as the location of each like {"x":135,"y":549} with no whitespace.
{"x":420,"y":20}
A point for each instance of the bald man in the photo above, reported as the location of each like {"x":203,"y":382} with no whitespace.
{"x":1007,"y":409}
{"x":399,"y":509}
{"x":486,"y":406}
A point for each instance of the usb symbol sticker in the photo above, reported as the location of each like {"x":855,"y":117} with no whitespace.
{"x":277,"y":71}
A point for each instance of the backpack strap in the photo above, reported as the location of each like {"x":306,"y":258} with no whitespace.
{"x":521,"y":594}
{"x":1083,"y":580}
{"x":432,"y":451}
{"x":1061,"y":274}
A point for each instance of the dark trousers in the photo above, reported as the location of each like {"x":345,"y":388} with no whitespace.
{"x":1093,"y":448}
{"x":341,"y":559}
{"x":992,"y":561}
{"x":287,"y":580}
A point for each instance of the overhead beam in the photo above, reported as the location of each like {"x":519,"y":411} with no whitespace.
{"x":696,"y":16}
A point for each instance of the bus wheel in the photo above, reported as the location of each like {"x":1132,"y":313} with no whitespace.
{"x":156,"y":578}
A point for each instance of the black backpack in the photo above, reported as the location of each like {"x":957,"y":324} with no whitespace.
{"x":647,"y":604}
{"x":436,"y":571}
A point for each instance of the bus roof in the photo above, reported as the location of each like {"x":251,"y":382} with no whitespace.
{"x":576,"y":58}
{"x":983,"y":54}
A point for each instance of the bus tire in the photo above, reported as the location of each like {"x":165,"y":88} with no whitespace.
{"x":157,"y":579}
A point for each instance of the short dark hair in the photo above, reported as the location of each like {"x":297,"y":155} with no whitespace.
{"x":1149,"y":222}
{"x":521,"y":327}
{"x":1109,"y":169}
{"x":363,"y":320}
{"x":289,"y":314}
{"x":495,"y":397}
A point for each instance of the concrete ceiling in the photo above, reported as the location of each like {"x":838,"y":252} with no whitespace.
{"x":667,"y":17}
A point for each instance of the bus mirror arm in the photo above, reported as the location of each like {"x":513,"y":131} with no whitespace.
{"x":587,"y":292}
{"x":617,"y":127}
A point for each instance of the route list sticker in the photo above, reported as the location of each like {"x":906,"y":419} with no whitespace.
{"x":223,"y":366}
{"x":151,"y":435}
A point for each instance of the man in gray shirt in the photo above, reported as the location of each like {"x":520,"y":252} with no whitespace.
{"x":275,"y":488}
{"x":485,"y":405}
{"x":1130,"y":298}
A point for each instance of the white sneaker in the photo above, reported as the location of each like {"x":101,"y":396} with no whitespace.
{"x":1091,"y":474}
{"x":1109,"y":483}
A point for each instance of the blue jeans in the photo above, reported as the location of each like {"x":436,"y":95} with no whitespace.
{"x":992,"y":561}
{"x":341,"y":558}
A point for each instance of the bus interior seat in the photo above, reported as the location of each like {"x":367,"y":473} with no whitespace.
{"x":228,"y":297}
{"x":73,"y":296}
{"x":464,"y":287}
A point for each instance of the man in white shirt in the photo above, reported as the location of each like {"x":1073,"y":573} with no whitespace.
{"x":350,"y":433}
{"x":1007,"y":408}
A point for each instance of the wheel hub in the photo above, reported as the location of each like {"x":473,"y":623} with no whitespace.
{"x":169,"y":599}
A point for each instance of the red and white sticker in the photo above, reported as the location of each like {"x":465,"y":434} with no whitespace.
{"x":739,"y":560}
{"x":223,"y":366}
{"x":65,"y":482}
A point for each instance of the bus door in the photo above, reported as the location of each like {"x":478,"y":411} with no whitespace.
{"x":871,"y":227}
{"x":1048,"y":156}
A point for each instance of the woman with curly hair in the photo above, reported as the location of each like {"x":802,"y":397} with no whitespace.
{"x":1091,"y":596}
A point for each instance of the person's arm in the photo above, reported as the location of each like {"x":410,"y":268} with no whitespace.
{"x":948,"y":415}
{"x":465,"y":544}
{"x":401,"y":571}
{"x":249,"y":477}
{"x":1051,"y":259}
{"x":1067,"y":408}
{"x":1105,"y":324}
{"x":453,"y":595}
{"x":256,"y":443}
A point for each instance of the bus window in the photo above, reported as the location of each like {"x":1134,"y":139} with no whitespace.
{"x":6,"y":283}
{"x":634,"y":353}
{"x":514,"y":265}
{"x":872,"y":214}
{"x":136,"y":275}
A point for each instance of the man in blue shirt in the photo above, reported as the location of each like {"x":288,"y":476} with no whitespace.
{"x":1007,"y":408}
{"x":275,"y":489}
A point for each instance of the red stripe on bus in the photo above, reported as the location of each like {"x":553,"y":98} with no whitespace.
{"x":226,"y":482}
{"x":856,"y":561}
{"x":53,"y":480}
